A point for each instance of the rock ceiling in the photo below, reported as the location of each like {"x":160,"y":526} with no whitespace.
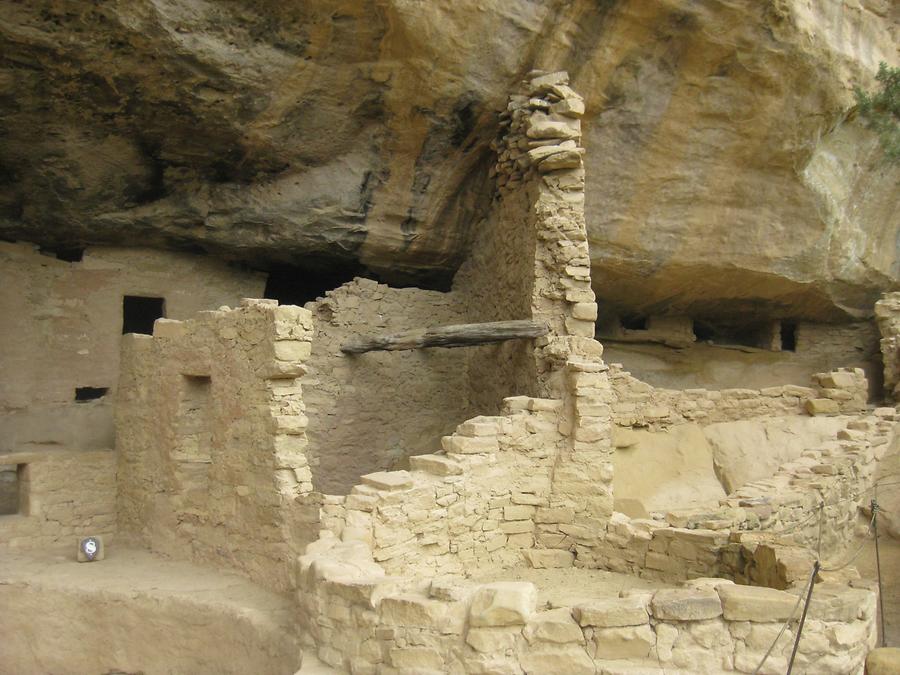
{"x":727,"y":175}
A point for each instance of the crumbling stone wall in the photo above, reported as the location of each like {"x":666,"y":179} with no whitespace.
{"x":638,"y":404}
{"x":62,"y":330}
{"x":211,"y":440}
{"x":887,"y":314}
{"x":367,"y":621}
{"x":371,"y":412}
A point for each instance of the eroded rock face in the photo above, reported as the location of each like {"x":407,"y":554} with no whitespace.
{"x":724,"y":175}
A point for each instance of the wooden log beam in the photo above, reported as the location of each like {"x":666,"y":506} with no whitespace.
{"x":461,"y":335}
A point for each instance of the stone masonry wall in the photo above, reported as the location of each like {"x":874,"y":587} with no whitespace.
{"x":371,"y":412}
{"x":380,"y":591}
{"x":211,"y":439}
{"x":64,"y":495}
{"x":495,"y":283}
{"x":366,"y":617}
{"x":887,"y":314}
{"x":638,"y":404}
{"x":370,"y":622}
{"x":63,"y":329}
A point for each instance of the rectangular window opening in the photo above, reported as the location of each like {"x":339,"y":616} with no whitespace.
{"x":139,"y":313}
{"x":788,"y":336}
{"x":634,"y":322}
{"x":83,"y":394}
{"x":13,"y":498}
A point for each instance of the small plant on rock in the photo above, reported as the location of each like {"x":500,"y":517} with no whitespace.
{"x":881,"y":110}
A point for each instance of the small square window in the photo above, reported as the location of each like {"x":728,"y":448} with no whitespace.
{"x":12,"y":489}
{"x":139,"y":313}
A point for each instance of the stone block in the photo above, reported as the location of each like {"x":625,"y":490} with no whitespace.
{"x":438,"y":465}
{"x":413,"y":611}
{"x":549,"y":558}
{"x":686,"y":604}
{"x":169,"y":328}
{"x":481,"y":426}
{"x":614,"y":612}
{"x":541,"y":125}
{"x":837,"y":380}
{"x":822,"y":406}
{"x":503,"y":603}
{"x":555,"y":625}
{"x":388,"y":480}
{"x":464,"y":445}
{"x":755,"y":603}
{"x":555,"y":515}
{"x":570,"y":659}
{"x":492,"y":640}
{"x":417,"y":659}
{"x":292,"y":350}
{"x":883,"y":661}
{"x":570,"y":107}
{"x":630,"y":642}
{"x":517,"y":526}
{"x":567,"y":159}
{"x":518,"y":512}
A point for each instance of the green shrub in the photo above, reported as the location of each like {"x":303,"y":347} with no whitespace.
{"x":881,"y":110}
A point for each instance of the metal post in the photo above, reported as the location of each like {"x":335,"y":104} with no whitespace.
{"x":878,"y":568}
{"x":812,"y":582}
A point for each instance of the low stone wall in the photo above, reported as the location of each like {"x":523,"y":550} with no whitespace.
{"x":817,"y":495}
{"x":428,"y":623}
{"x":491,"y":496}
{"x":65,"y":495}
{"x":365,"y":622}
{"x":638,"y":404}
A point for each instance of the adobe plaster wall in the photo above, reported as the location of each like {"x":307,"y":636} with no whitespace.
{"x":62,"y":329}
{"x":211,"y":440}
{"x":371,"y":412}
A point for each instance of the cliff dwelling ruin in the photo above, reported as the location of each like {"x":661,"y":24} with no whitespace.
{"x":492,"y":448}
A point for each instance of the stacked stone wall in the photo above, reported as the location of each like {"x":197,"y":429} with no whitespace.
{"x":638,"y":404}
{"x":63,"y":495}
{"x":212,"y":443}
{"x":887,"y":314}
{"x":371,"y":412}
{"x":369,"y":622}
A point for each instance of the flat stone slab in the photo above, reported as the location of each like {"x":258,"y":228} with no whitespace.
{"x":388,"y":480}
{"x":686,"y":604}
{"x":439,"y":465}
{"x":755,"y":603}
{"x":613,"y":613}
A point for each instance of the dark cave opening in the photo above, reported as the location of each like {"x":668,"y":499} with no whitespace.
{"x":297,"y":285}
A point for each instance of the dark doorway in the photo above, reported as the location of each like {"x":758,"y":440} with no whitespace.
{"x":788,"y":336}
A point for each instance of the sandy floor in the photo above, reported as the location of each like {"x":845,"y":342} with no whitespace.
{"x":570,"y":586}
{"x":136,"y":571}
